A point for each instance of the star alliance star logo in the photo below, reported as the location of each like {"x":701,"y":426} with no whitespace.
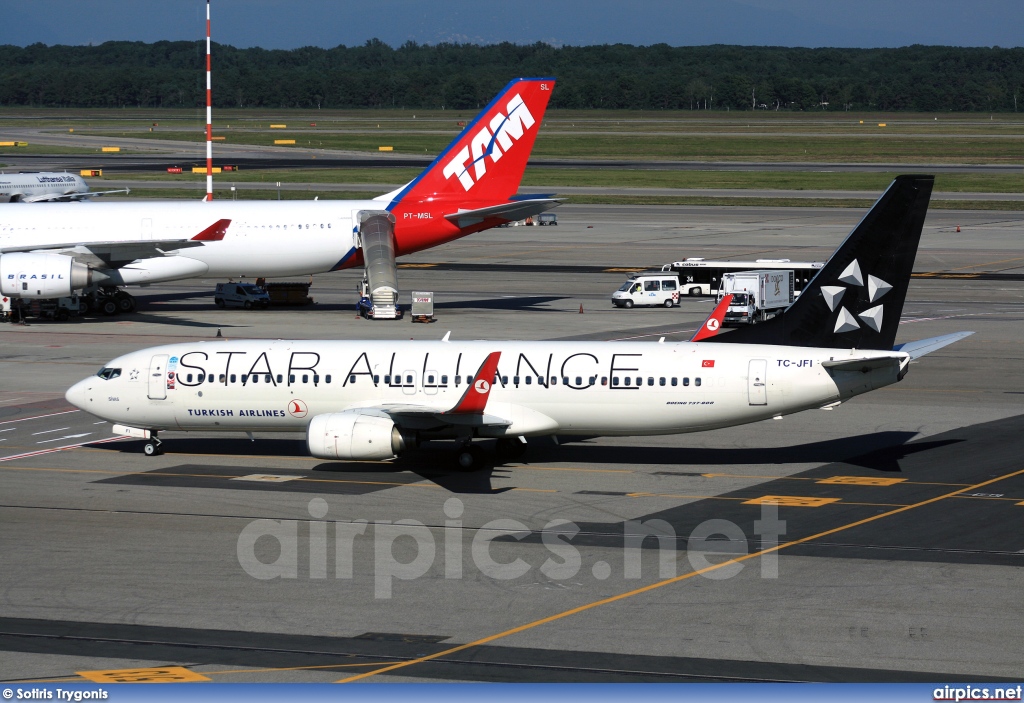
{"x":134,"y":375}
{"x":872,"y":317}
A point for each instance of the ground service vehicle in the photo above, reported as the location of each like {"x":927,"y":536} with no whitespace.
{"x":240,"y":295}
{"x":371,"y":400}
{"x":756,"y":295}
{"x":648,"y":288}
{"x":703,"y":277}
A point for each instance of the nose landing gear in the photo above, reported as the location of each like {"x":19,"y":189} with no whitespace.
{"x":152,"y":447}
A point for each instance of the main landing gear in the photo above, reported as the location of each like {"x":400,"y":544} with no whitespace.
{"x":471,"y":457}
{"x":153,"y":446}
{"x":112,"y":301}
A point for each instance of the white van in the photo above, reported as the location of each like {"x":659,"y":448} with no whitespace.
{"x":242,"y":295}
{"x":648,"y":288}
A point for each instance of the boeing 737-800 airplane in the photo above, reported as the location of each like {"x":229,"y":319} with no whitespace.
{"x":51,"y":250}
{"x":373,"y":399}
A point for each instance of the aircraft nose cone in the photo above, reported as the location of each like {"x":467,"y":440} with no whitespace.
{"x":77,"y":394}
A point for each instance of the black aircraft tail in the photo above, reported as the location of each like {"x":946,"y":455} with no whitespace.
{"x":856,"y":300}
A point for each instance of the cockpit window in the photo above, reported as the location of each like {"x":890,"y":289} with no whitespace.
{"x":107,"y":373}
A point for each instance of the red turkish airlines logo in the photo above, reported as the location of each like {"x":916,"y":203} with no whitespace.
{"x":713,"y":325}
{"x":708,"y":364}
{"x":481,"y":386}
{"x":296,"y":408}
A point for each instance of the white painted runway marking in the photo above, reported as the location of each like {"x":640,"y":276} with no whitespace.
{"x":70,"y":436}
{"x":37,"y":417}
{"x":59,"y":429}
{"x":39,"y":452}
{"x":9,"y":429}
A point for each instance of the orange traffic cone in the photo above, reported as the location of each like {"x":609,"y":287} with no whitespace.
{"x":581,"y":308}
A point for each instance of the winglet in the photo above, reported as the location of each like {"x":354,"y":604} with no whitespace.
{"x":474,"y":400}
{"x":213,"y":233}
{"x":447,"y":336}
{"x":714,"y":322}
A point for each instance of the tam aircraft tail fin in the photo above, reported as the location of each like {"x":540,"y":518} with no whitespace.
{"x":485,"y":163}
{"x":856,"y":299}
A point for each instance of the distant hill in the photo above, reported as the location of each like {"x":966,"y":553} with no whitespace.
{"x":462,"y":76}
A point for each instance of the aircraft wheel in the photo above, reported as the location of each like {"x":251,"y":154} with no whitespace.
{"x":627,"y":304}
{"x":108,"y":306}
{"x":470,"y":458}
{"x":151,"y":449}
{"x":125,"y":302}
{"x":510,"y":449}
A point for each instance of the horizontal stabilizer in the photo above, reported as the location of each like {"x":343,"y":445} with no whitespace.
{"x":927,"y":346}
{"x":509,"y":212}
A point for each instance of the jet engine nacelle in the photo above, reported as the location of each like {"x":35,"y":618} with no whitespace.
{"x":34,"y":275}
{"x":353,"y":434}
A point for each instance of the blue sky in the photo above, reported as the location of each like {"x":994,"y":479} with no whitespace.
{"x":286,"y":24}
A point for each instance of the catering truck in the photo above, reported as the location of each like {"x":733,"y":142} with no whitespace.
{"x":756,"y":295}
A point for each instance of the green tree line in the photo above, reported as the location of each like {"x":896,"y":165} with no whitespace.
{"x":461,"y":76}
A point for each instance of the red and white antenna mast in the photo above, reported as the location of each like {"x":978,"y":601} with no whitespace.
{"x":209,"y":113}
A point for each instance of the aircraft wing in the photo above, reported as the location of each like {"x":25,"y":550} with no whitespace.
{"x":116,"y":254}
{"x":69,"y":197}
{"x":510,"y":212}
{"x":468,"y":412}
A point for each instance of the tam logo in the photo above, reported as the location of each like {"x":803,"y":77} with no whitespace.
{"x":491,"y":142}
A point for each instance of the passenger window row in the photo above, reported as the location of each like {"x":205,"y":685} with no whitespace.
{"x":254,"y":378}
{"x":626,"y":381}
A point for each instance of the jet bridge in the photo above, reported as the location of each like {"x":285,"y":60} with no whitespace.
{"x":380,"y":277}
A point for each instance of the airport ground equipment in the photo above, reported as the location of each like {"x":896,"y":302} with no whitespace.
{"x":648,"y":288}
{"x":241,"y":295}
{"x":422,"y":307}
{"x":376,"y":237}
{"x":699,"y":276}
{"x":756,"y":295}
{"x":289,"y":293}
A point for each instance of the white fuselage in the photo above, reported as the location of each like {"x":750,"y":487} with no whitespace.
{"x":600,"y":388}
{"x":19,"y":186}
{"x":268,"y":239}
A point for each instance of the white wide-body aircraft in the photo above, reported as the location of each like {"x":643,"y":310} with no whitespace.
{"x":47,"y":188}
{"x":370,"y":400}
{"x":52,"y":250}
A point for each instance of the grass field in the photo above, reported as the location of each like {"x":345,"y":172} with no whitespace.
{"x":633,"y":145}
{"x":626,"y":178}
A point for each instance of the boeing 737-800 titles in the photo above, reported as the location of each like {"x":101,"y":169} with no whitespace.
{"x":49,"y":251}
{"x":366,"y":400}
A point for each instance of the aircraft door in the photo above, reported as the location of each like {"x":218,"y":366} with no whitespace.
{"x":430,"y":382}
{"x":409,"y":383}
{"x":157,"y":374}
{"x":756,"y":388}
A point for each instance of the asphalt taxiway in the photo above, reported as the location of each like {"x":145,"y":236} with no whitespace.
{"x":901,"y":558}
